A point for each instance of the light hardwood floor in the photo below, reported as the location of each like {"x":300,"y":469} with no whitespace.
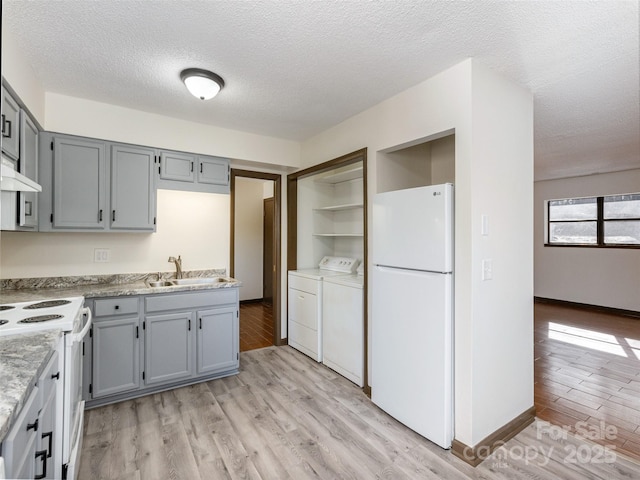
{"x":587,"y":371}
{"x":285,"y":416}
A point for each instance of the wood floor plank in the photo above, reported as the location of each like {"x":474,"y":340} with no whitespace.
{"x":284,"y":416}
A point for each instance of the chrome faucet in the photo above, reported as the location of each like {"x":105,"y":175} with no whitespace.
{"x":178,"y":262}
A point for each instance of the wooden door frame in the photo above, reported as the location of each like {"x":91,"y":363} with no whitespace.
{"x":292,"y":233}
{"x":277,"y":239}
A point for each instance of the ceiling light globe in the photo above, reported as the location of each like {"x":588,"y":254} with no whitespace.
{"x":201,"y":83}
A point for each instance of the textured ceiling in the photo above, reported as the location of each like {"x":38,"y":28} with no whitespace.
{"x":294,"y":68}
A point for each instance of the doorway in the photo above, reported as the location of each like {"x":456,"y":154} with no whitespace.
{"x":255,"y":255}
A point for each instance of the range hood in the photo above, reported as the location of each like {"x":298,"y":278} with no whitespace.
{"x":13,"y":181}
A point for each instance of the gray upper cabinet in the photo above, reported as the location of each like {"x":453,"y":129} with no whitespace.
{"x":28,"y":166}
{"x":133,"y":195}
{"x":213,"y":170}
{"x":217,"y":340}
{"x":79,"y":184}
{"x":193,"y":173}
{"x":168,"y":347}
{"x":10,"y":126}
{"x":177,"y":166}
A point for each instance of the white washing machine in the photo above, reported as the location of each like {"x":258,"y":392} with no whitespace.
{"x":343,"y":326}
{"x":305,"y":316}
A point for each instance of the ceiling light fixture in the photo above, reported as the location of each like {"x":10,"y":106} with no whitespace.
{"x":202,"y":84}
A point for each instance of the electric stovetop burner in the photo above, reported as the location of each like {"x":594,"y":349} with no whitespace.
{"x":2,"y":322}
{"x":40,"y":318}
{"x":47,"y":304}
{"x":5,"y":307}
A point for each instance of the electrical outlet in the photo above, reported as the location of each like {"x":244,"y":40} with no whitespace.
{"x":487,"y":269}
{"x":101,"y":255}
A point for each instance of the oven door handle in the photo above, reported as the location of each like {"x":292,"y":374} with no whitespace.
{"x":78,"y":337}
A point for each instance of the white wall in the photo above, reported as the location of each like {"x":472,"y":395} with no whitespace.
{"x":193,"y":225}
{"x":248,"y":249}
{"x":77,"y":116}
{"x":21,"y":76}
{"x":493,"y":123}
{"x":608,"y":277}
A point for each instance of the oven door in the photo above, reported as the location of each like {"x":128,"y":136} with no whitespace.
{"x":73,"y":403}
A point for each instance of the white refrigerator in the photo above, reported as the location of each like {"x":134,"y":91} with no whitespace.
{"x":412,"y":309}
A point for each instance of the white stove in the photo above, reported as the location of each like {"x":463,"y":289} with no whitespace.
{"x":68,"y":315}
{"x":34,"y":316}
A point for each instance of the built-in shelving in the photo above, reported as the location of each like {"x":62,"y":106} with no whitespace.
{"x":337,"y":234}
{"x":338,"y":208}
{"x":353,"y":172}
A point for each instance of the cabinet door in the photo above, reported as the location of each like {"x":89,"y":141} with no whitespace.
{"x":217,"y":340}
{"x":79,"y":184}
{"x":46,"y":447}
{"x":132,"y":188}
{"x":167,"y":347}
{"x":10,"y":126}
{"x":19,"y":446}
{"x":213,"y":170}
{"x":116,"y":356}
{"x":28,"y":166}
{"x":177,"y":166}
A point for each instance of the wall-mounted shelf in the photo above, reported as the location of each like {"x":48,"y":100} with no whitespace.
{"x":355,"y":235}
{"x":337,"y":208}
{"x":352,"y":173}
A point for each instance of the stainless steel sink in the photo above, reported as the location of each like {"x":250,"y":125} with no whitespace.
{"x":160,"y":283}
{"x":198,"y":280}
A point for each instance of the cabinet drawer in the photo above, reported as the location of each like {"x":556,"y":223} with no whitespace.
{"x":191,"y":300}
{"x":303,"y":308}
{"x":305,"y":284}
{"x":115,"y":306}
{"x":304,"y":339}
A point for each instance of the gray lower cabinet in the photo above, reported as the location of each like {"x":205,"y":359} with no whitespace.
{"x":217,"y":338}
{"x":30,"y":449}
{"x":168,"y":346}
{"x":116,"y":355}
{"x":148,"y":343}
{"x":115,"y":346}
{"x":10,"y":126}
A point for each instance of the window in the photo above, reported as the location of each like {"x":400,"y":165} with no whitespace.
{"x":611,"y":221}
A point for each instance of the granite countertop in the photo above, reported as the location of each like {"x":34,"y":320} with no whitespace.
{"x":23,"y":357}
{"x":32,"y":289}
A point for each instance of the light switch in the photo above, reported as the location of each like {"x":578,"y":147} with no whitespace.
{"x":484,"y":225}
{"x":487,"y":269}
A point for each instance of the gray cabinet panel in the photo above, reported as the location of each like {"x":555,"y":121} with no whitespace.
{"x":132,"y":188}
{"x":48,"y":422}
{"x":177,"y":166}
{"x":28,"y":166}
{"x":213,"y":170}
{"x":217,"y":340}
{"x":10,"y":126}
{"x":79,"y":184}
{"x":116,"y":356}
{"x":191,"y":300}
{"x":168,"y":347}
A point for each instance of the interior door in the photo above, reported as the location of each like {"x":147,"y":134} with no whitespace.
{"x":268,"y":258}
